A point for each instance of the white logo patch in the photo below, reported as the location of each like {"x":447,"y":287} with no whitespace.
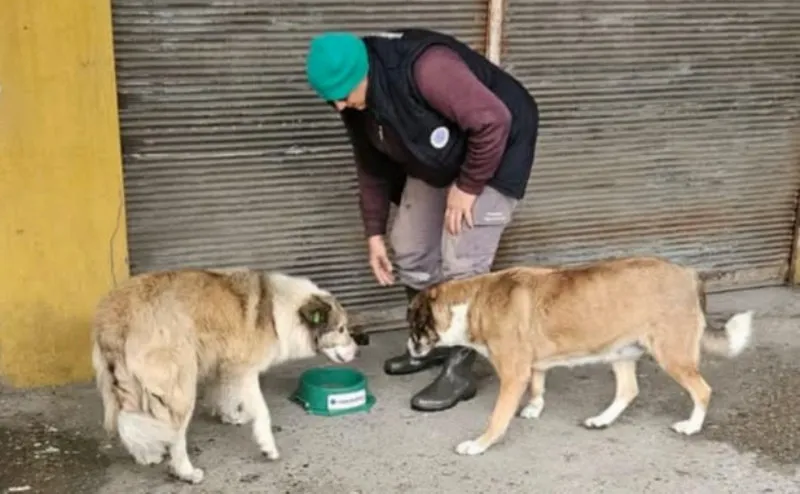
{"x":344,"y":401}
{"x":388,"y":35}
{"x":439,"y":137}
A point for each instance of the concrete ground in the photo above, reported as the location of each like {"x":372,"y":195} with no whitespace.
{"x":51,"y":440}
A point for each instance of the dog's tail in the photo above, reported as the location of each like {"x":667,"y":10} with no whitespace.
{"x":147,"y":404}
{"x":726,"y":336}
{"x":731,"y":338}
{"x":144,"y":436}
{"x":105,"y":380}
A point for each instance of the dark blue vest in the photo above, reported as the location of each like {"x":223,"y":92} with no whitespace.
{"x":394,"y":100}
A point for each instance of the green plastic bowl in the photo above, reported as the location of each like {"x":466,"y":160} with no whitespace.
{"x":332,"y":391}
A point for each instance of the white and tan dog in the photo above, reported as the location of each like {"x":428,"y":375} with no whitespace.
{"x":159,"y":335}
{"x":526,"y":320}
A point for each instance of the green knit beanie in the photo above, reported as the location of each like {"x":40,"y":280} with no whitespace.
{"x":335,"y":64}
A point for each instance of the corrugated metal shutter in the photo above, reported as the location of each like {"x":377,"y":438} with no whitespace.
{"x":666,"y":127}
{"x":229,"y":159}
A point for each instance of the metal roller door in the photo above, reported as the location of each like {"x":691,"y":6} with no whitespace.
{"x":666,"y":127}
{"x":229,"y":159}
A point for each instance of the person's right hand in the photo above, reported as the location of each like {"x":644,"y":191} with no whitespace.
{"x":379,"y":260}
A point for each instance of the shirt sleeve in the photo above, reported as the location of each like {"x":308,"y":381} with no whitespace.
{"x":450,"y":87}
{"x":374,"y":198}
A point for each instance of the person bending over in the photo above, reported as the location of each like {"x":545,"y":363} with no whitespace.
{"x":448,"y":137}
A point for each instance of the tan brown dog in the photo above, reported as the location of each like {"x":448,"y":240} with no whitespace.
{"x":528,"y":320}
{"x":158,"y":335}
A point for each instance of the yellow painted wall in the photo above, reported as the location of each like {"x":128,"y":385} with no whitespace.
{"x":62,"y":221}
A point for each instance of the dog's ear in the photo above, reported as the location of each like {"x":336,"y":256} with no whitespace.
{"x":315,"y":312}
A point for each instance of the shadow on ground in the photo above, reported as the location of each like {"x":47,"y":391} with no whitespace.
{"x":766,"y":419}
{"x":35,"y":457}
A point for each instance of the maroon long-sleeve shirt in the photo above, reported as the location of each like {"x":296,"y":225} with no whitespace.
{"x":449,"y":87}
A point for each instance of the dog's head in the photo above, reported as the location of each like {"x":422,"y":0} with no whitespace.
{"x":327,"y":321}
{"x":424,"y":325}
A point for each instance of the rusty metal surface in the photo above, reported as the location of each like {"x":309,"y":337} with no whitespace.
{"x":666,"y":128}
{"x":229,"y":158}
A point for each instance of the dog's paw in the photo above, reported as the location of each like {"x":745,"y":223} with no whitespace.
{"x":232,"y":415}
{"x":470,"y":448}
{"x":149,"y":458}
{"x":686,"y":427}
{"x":532,"y":410}
{"x":271,"y":453}
{"x":192,"y":476}
{"x":597,"y":422}
{"x":236,"y":418}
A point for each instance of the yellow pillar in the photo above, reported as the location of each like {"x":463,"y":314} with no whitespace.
{"x":62,"y":222}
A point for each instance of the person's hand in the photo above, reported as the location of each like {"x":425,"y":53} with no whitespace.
{"x":459,"y":209}
{"x":379,"y":261}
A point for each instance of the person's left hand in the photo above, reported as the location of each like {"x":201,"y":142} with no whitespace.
{"x":459,"y":210}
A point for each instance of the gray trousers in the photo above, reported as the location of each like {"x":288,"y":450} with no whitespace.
{"x":425,"y":253}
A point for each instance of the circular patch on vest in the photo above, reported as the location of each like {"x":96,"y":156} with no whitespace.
{"x":439,"y":137}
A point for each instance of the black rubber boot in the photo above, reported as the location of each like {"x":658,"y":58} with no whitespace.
{"x":455,"y":383}
{"x":406,"y":364}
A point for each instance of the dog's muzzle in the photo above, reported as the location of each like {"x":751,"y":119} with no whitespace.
{"x":341,"y":355}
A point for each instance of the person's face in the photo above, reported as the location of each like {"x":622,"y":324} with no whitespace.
{"x":356,"y":100}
